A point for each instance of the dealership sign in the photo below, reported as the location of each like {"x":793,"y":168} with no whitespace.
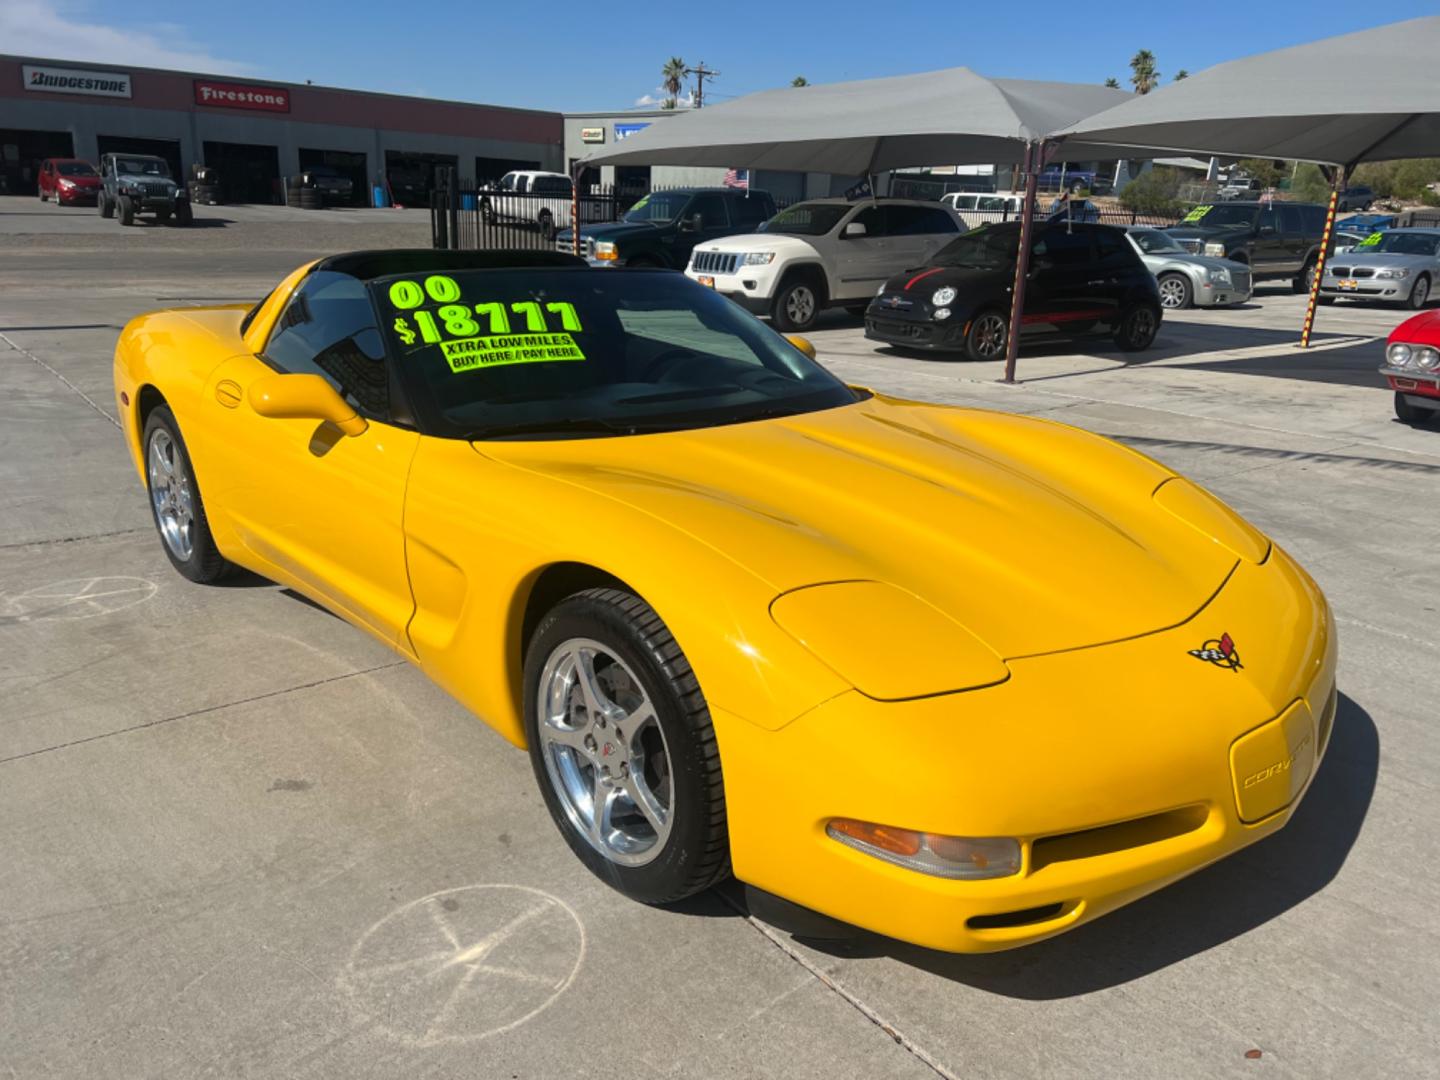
{"x":235,"y":96}
{"x":592,"y":134}
{"x":60,"y":80}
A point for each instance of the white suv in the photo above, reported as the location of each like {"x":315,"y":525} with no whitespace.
{"x":534,"y":197}
{"x":822,"y":253}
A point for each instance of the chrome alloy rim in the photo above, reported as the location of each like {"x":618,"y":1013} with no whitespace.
{"x":170,"y":495}
{"x":989,"y":334}
{"x":604,"y":752}
{"x":800,"y":304}
{"x":1142,"y":326}
{"x":1172,"y":292}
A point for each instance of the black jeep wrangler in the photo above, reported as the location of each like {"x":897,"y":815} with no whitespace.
{"x":664,"y":227}
{"x":141,"y":184}
{"x":1275,"y":239}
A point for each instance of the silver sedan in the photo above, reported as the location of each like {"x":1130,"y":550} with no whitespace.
{"x":1397,"y":265}
{"x":1188,"y":280}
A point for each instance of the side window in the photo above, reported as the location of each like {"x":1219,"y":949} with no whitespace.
{"x":1111,"y":246}
{"x":918,"y":221}
{"x":1291,"y":220}
{"x":711,"y":209}
{"x":872,"y":219}
{"x":552,"y":185}
{"x":1268,"y":219}
{"x":1314,"y":217}
{"x":522,"y":183}
{"x":1065,"y":249}
{"x":750,"y":211}
{"x":328,"y":329}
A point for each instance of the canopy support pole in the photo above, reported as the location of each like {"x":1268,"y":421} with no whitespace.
{"x":1034,"y":160}
{"x":575,"y":173}
{"x":1337,"y":184}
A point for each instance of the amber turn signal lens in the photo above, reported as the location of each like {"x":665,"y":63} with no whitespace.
{"x":884,"y":837}
{"x":956,"y":857}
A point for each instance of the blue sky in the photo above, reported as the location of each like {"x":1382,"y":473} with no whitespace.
{"x":559,"y":54}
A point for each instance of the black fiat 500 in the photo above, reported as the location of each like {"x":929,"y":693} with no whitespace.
{"x":1081,"y":277}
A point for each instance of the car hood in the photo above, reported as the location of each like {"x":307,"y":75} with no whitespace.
{"x":1035,"y":536}
{"x":1422,"y":329}
{"x":1157,"y":263}
{"x":780,"y":243}
{"x":617,"y":231}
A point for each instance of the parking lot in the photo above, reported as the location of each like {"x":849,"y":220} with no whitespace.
{"x":243,"y":839}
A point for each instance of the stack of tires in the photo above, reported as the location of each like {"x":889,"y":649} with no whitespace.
{"x":204,"y":186}
{"x":300,"y":194}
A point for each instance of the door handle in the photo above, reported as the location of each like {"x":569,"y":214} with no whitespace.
{"x":1097,"y":281}
{"x":228,"y":393}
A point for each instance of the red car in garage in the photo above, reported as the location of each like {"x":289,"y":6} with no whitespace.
{"x":69,"y":181}
{"x":1412,"y":368}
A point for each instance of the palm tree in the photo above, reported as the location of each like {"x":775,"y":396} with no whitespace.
{"x":1113,"y":83}
{"x":799,"y":80}
{"x":1143,"y":76}
{"x":672,"y":78}
{"x":1181,"y":74}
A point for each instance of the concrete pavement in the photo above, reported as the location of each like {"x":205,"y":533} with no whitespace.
{"x":240,"y":838}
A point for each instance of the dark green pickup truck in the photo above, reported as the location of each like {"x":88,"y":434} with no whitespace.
{"x":664,"y":227}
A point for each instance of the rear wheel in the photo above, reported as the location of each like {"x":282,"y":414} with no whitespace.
{"x":1306,"y":280}
{"x":1414,"y":414}
{"x":1175,"y":292}
{"x":175,"y":503}
{"x":107,"y":208}
{"x":1138,"y":327}
{"x":1419,"y":293}
{"x":623,"y":749}
{"x":987,"y":336}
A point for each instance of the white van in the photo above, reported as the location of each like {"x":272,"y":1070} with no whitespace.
{"x":982,"y":208}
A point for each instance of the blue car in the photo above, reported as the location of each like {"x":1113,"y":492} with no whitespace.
{"x":1367,"y":222}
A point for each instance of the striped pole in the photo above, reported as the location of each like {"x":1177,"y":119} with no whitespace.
{"x":1337,"y":182}
{"x":575,"y":174}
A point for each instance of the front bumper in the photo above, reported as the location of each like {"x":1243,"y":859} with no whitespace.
{"x":752,"y":287}
{"x":1120,"y":768}
{"x":926,"y":334}
{"x":1412,"y":381}
{"x":1211,"y":294}
{"x":77,"y":196}
{"x":1367,"y":288}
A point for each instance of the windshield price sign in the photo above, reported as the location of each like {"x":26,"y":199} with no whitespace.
{"x":1371,"y":240}
{"x":1196,"y":214}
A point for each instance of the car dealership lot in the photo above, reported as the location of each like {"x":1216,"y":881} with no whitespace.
{"x":240,"y":838}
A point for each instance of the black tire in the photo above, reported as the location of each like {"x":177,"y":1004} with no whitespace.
{"x":987,"y":336}
{"x":547,"y":225}
{"x":184,"y":215}
{"x":797,"y":303}
{"x":1301,"y":284}
{"x":695,"y":853}
{"x":1419,"y":293}
{"x":1176,"y":292}
{"x":127,"y":210}
{"x":203,"y":564}
{"x":1138,"y":327}
{"x":107,"y":208}
{"x":1414,"y":414}
{"x":309,"y":200}
{"x":162,"y":216}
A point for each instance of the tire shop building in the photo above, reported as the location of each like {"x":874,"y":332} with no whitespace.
{"x":254,"y":133}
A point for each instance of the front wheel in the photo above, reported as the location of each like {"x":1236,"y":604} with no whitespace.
{"x":1419,"y":293}
{"x":127,"y":210}
{"x":987,"y":336}
{"x":1175,"y":292}
{"x":796,"y":305}
{"x":107,"y":208}
{"x":623,"y":749}
{"x":175,"y":502}
{"x":1138,"y":327}
{"x":1414,"y":414}
{"x":1306,"y":280}
{"x":184,"y":215}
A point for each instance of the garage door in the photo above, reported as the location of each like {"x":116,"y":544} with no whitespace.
{"x":21,"y":153}
{"x":248,"y":172}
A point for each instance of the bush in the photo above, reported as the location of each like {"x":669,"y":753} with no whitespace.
{"x":1310,"y":185}
{"x":1154,"y":192}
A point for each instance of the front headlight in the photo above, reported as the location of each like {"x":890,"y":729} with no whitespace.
{"x":1395,"y":273}
{"x":941,"y":314}
{"x":1219,"y":276}
{"x":605,"y":251}
{"x":1399,"y":354}
{"x":966,"y":857}
{"x":1217,"y":250}
{"x":759,"y":258}
{"x":1426,"y":358}
{"x":941,"y":297}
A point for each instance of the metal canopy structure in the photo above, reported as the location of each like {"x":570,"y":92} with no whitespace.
{"x":1336,"y":102}
{"x":949,"y":117}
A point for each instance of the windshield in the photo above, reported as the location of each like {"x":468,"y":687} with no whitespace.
{"x":1398,"y":243}
{"x":536,"y":353}
{"x":1155,"y":242}
{"x":74,"y":168}
{"x":987,"y":248}
{"x":141,"y":167}
{"x":661,"y":207}
{"x":806,"y":219}
{"x":1221,"y":217}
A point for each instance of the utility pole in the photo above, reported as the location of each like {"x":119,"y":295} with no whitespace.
{"x":701,"y":73}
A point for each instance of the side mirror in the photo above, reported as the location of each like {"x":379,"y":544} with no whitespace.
{"x":303,"y":397}
{"x":855,"y":228}
{"x":801,"y":343}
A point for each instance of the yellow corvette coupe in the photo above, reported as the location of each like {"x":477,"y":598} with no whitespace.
{"x":959,"y":677}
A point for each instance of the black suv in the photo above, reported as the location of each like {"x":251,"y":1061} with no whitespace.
{"x":1081,"y":276}
{"x":664,"y":227}
{"x":1276,"y":240}
{"x":141,"y":184}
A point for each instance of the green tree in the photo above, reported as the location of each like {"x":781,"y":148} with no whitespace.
{"x":1310,"y":185}
{"x":672,"y":79}
{"x":1181,"y":74}
{"x":1143,"y":75}
{"x":1263,"y":169}
{"x":1154,"y":192}
{"x":1113,"y":83}
{"x":799,"y":80}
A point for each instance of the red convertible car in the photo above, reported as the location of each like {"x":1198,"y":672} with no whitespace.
{"x":69,"y":181}
{"x":1412,"y":368}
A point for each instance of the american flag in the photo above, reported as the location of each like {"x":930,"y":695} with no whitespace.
{"x":737,"y":178}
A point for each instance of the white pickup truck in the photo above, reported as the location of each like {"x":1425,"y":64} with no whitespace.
{"x":822,"y":253}
{"x":536,"y":198}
